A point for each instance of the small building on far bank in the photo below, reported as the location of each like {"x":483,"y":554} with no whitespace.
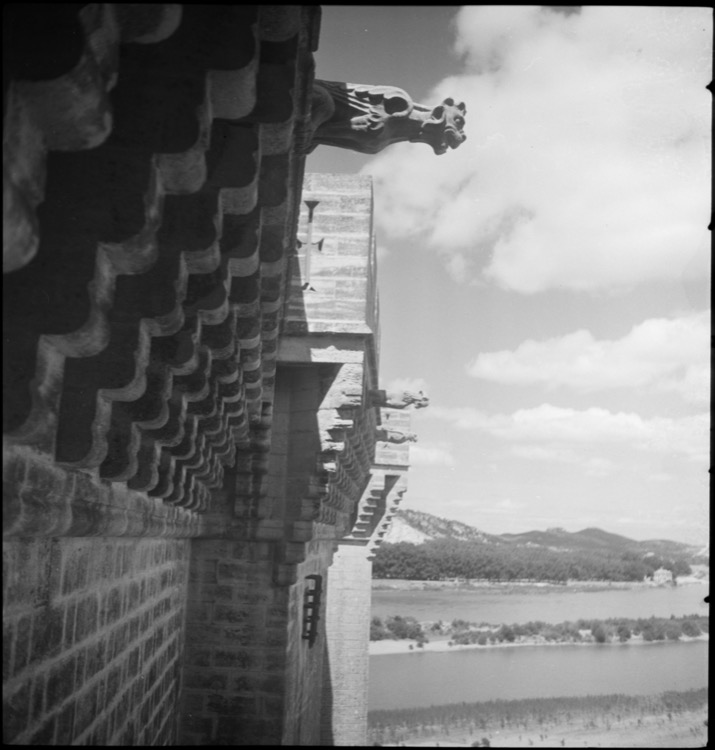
{"x":662,"y":577}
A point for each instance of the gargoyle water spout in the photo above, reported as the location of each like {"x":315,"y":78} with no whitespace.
{"x":394,"y":436}
{"x":398,"y":399}
{"x":368,"y":118}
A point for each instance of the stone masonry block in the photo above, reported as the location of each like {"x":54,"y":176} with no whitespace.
{"x":229,"y":614}
{"x":47,"y":633}
{"x":226,"y":571}
{"x":86,"y":618}
{"x":22,"y":643}
{"x":75,"y":571}
{"x":65,"y":724}
{"x":95,"y":656}
{"x":45,"y":735}
{"x":85,"y":711}
{"x":239,"y":636}
{"x":61,"y":682}
{"x":37,"y":706}
{"x":200,"y":679}
{"x":15,"y":715}
{"x":236,"y":658}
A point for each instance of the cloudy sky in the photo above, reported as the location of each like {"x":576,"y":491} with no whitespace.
{"x":547,"y":283}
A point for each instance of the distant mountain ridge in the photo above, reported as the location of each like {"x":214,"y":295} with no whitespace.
{"x":417,"y":527}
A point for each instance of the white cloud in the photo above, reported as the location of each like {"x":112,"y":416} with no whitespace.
{"x":547,"y":424}
{"x":541,"y":453}
{"x":508,"y":504}
{"x":593,"y":465}
{"x":661,"y":476}
{"x":431,"y":455}
{"x":587,"y":159}
{"x":694,"y":386}
{"x":382,"y":251}
{"x":666,"y":354}
{"x":666,"y":525}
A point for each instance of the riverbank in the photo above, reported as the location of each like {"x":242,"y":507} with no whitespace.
{"x":385,"y":647}
{"x":524,"y":587}
{"x":684,"y":730}
{"x":672,"y":719}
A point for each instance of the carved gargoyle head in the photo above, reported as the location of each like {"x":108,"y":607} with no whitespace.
{"x":367,"y":118}
{"x":394,"y":436}
{"x":445,"y":127}
{"x":419,"y":400}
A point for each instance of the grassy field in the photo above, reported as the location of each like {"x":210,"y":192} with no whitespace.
{"x":668,"y":720}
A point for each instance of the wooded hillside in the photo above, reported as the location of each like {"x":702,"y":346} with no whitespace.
{"x":441,"y":559}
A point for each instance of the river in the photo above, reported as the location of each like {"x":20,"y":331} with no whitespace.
{"x":549,"y":604}
{"x":421,"y":679}
{"x":474,"y":675}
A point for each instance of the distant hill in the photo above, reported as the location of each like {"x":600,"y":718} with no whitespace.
{"x":401,"y":530}
{"x":417,"y":527}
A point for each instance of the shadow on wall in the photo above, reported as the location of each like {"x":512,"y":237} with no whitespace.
{"x":295,"y":319}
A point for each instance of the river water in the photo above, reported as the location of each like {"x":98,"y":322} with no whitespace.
{"x":418,"y":679}
{"x":548,"y":604}
{"x":474,"y":675}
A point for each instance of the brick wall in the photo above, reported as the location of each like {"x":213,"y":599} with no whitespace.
{"x":250,"y":677}
{"x":92,"y":640}
{"x":235,"y":646}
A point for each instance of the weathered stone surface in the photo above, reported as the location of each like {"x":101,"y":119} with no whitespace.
{"x":368,"y":118}
{"x":340,"y":286}
{"x":99,"y":639}
{"x":122,"y":270}
{"x":171,"y":392}
{"x":398,"y":399}
{"x":347,"y":625}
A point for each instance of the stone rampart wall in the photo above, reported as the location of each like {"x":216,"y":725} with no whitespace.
{"x":236,"y":640}
{"x":348,"y":628}
{"x":335,"y":264}
{"x":153,"y":178}
{"x":249,"y":670}
{"x":162,"y":534}
{"x":304,"y":662}
{"x":92,"y":639}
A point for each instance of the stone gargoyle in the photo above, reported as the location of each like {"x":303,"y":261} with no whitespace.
{"x":398,"y":399}
{"x":394,"y":436}
{"x":368,"y":118}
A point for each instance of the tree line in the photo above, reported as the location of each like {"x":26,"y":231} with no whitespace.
{"x":611,"y":630}
{"x":441,"y":559}
{"x":619,"y":629}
